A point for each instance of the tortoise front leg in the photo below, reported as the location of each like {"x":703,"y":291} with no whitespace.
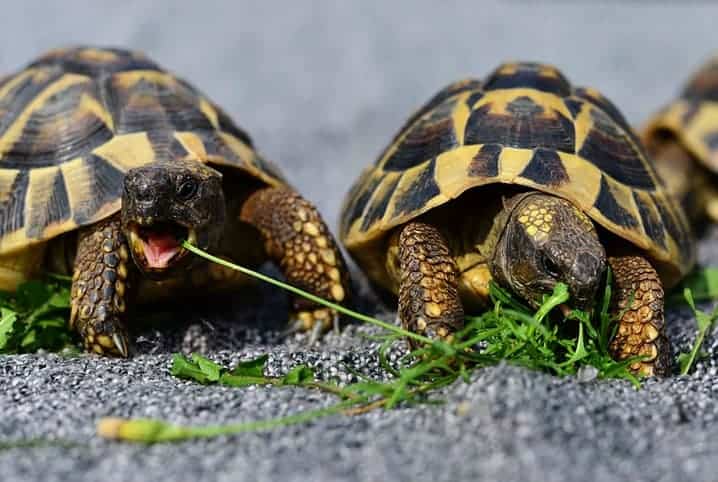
{"x":640,"y":328}
{"x":429,"y":301}
{"x":298,"y":240}
{"x":99,"y":288}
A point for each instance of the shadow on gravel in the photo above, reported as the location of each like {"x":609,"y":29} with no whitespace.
{"x":258,"y":315}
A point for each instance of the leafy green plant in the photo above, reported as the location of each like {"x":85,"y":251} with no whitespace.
{"x":35,"y":317}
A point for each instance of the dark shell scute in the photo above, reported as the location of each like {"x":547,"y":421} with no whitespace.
{"x":608,"y":107}
{"x":614,"y":153}
{"x":426,"y":139}
{"x":12,"y":209}
{"x":378,"y":208}
{"x":19,"y":96}
{"x":545,"y":168}
{"x":108,"y":61}
{"x":486,"y":162}
{"x":528,"y":126}
{"x":608,"y":206}
{"x":147,"y":106}
{"x":680,"y":235}
{"x":450,"y":90}
{"x":574,"y":106}
{"x":227,"y":125}
{"x":107,"y":182}
{"x":423,"y":189}
{"x":530,"y":76}
{"x":56,"y":209}
{"x":57,"y":131}
{"x":359,"y":195}
{"x":652,"y":224}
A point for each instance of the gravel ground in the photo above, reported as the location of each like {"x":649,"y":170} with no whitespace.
{"x":322,"y":86}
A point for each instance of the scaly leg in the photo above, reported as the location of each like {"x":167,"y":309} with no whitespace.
{"x":429,"y":301}
{"x":297,"y":239}
{"x":640,"y":329}
{"x":99,"y":288}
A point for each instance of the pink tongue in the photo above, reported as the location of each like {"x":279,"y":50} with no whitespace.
{"x":160,"y":249}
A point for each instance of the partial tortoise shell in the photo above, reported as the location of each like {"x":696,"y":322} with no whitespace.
{"x":525,"y":125}
{"x":693,"y":118}
{"x":72,"y":124}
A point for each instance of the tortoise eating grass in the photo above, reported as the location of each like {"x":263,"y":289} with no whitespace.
{"x":108,"y":163}
{"x":527,"y":181}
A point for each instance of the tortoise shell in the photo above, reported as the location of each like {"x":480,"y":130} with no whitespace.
{"x":524,"y":125}
{"x":74,"y":121}
{"x":693,"y":118}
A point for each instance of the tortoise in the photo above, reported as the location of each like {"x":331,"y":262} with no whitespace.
{"x":528,"y":181}
{"x":108,"y":162}
{"x":683,"y":140}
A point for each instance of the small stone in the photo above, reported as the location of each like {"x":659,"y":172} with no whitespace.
{"x":587,"y":374}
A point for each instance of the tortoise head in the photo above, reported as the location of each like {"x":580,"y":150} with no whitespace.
{"x":548,"y":240}
{"x":165,"y":203}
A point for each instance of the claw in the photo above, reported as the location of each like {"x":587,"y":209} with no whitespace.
{"x":120,"y":344}
{"x":294,"y":327}
{"x":335,"y":325}
{"x":315,"y":333}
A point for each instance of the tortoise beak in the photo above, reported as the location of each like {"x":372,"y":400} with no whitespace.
{"x":156,"y":248}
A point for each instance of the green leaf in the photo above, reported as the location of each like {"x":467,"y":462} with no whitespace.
{"x":298,"y":375}
{"x":7,"y":324}
{"x":250,"y":372}
{"x":580,"y":351}
{"x":210,"y":369}
{"x":251,"y":368}
{"x":242,"y":380}
{"x":559,"y":296}
{"x":183,"y":367}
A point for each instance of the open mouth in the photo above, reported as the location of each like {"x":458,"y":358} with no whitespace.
{"x":159,"y":246}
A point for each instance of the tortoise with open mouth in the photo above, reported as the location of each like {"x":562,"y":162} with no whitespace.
{"x":528,"y":181}
{"x":108,"y":163}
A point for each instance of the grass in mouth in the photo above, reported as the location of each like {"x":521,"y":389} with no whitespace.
{"x":34,"y":318}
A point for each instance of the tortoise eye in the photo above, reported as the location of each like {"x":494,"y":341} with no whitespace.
{"x":550,"y":267}
{"x":187,"y":189}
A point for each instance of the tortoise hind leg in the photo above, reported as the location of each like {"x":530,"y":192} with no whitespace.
{"x":640,"y":328}
{"x":429,"y":301}
{"x":99,"y":288}
{"x":296,"y":237}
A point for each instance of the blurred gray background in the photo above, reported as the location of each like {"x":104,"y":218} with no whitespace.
{"x":322,"y":86}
